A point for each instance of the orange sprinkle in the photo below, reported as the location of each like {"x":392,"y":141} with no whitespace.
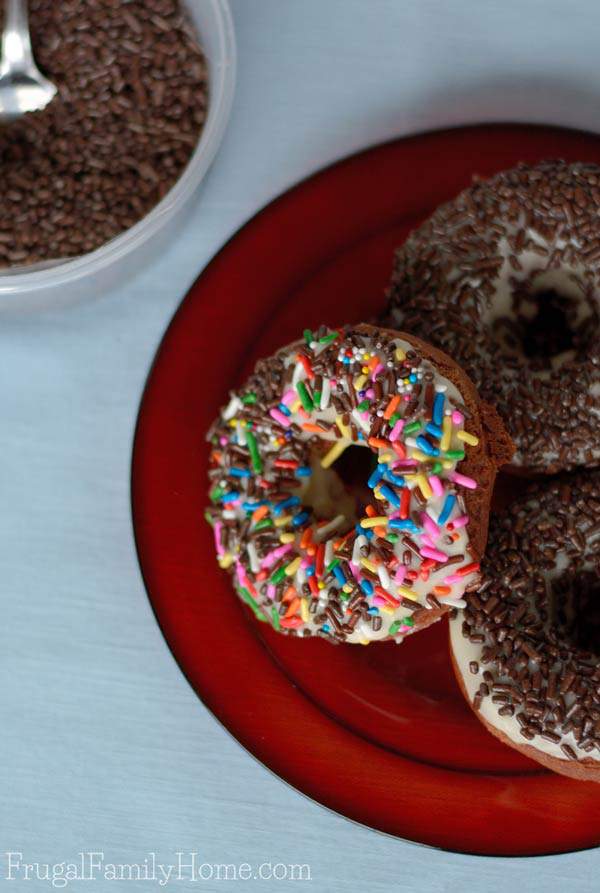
{"x":378,"y":443}
{"x":315,"y":429}
{"x":306,"y":538}
{"x":399,"y":449}
{"x":391,"y":407}
{"x":293,"y":607}
{"x":289,"y":594}
{"x":371,"y":512}
{"x":441,"y":590}
{"x":380,"y":531}
{"x":307,"y":367}
{"x":259,"y":513}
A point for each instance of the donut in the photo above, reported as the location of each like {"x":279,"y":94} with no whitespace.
{"x":311,"y":554}
{"x":506,"y":279}
{"x":526,"y":648}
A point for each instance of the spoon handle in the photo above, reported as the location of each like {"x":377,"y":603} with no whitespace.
{"x":16,"y":42}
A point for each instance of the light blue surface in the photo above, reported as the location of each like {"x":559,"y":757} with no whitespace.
{"x":103,"y":744}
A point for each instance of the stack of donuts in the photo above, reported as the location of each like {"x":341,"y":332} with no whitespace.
{"x":487,"y":356}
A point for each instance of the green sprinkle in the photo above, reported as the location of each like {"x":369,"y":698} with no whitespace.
{"x":254,"y":454}
{"x":362,"y":407}
{"x":317,"y":398}
{"x":275,"y":616}
{"x":208,"y":517}
{"x":392,"y":537}
{"x":327,"y":339}
{"x":395,"y":418}
{"x":250,"y":601}
{"x":454,"y":454}
{"x":408,"y":621}
{"x":279,"y":574}
{"x":266,"y":522}
{"x":250,"y":397}
{"x":216,"y":493}
{"x":308,"y":336}
{"x":304,"y":397}
{"x":436,"y":468}
{"x":412,"y":427}
{"x":331,"y":566}
{"x":394,"y":627}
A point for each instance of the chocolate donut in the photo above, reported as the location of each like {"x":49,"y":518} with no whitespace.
{"x":526,"y":649}
{"x":309,"y":554}
{"x":506,"y":279}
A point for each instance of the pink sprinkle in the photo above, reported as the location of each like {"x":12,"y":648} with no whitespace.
{"x":271,"y":590}
{"x":355,"y":571}
{"x":370,"y":393}
{"x":223,"y":441}
{"x":427,"y":552}
{"x":280,"y":417}
{"x":406,"y":398}
{"x":306,"y":561}
{"x":376,"y":371}
{"x":462,"y":480}
{"x":400,"y":574}
{"x":396,"y":430}
{"x":429,"y":524}
{"x":427,"y":541}
{"x":436,"y":485}
{"x":365,"y":416}
{"x":404,"y":463}
{"x":219,"y":547}
{"x":453,"y":578}
{"x":378,"y":601}
{"x":289,"y":397}
{"x":271,"y":557}
{"x":462,"y":521}
{"x":457,"y":417}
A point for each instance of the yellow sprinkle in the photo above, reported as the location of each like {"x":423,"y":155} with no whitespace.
{"x":304,"y":610}
{"x":369,"y":565}
{"x":292,"y":567}
{"x":364,"y":641}
{"x":446,"y":433}
{"x":344,"y":430}
{"x":379,"y":520}
{"x":281,"y":522}
{"x":467,"y":438}
{"x":320,"y":585}
{"x":296,"y":406}
{"x":359,"y":382}
{"x":334,"y":453}
{"x":399,"y":354}
{"x":386,"y":457}
{"x":226,"y":561}
{"x":233,"y":423}
{"x":405,"y":592}
{"x":446,"y":463}
{"x":386,"y":609}
{"x":423,"y":485}
{"x":377,"y":493}
{"x":419,"y":456}
{"x":287,"y":537}
{"x":347,"y":588}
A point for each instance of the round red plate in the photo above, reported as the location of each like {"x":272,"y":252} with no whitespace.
{"x":379,"y":734}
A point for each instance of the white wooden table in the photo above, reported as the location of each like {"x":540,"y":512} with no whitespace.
{"x":103,"y":744}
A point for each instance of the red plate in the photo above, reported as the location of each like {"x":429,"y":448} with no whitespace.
{"x":379,"y":734}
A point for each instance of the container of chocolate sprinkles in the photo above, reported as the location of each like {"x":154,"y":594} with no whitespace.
{"x":93,"y":185}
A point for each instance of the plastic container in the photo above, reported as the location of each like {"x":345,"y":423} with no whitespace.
{"x":64,"y":281}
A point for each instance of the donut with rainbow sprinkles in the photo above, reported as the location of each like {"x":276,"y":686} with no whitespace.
{"x":315,"y":554}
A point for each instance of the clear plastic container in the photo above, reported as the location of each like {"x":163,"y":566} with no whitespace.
{"x":64,"y":281}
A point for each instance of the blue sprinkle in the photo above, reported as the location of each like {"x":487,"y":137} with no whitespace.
{"x":361,"y":436}
{"x":438,"y":409}
{"x":286,"y":504}
{"x":325,"y":628}
{"x":240,"y":472}
{"x":434,"y":430}
{"x":373,"y":611}
{"x":426,"y":447}
{"x":310,"y":570}
{"x":288,"y":435}
{"x":304,"y":471}
{"x":299,"y":519}
{"x":339,"y":575}
{"x":367,"y":587}
{"x":346,"y":361}
{"x":400,"y":524}
{"x":283,"y":408}
{"x":376,"y":476}
{"x":389,"y":494}
{"x":251,"y":506}
{"x":412,"y":377}
{"x":230,"y":497}
{"x":447,"y":508}
{"x":396,"y":479}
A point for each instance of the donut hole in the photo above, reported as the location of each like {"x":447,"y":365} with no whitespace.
{"x":354,"y":468}
{"x":577,"y":600}
{"x":549,"y":322}
{"x":341,"y":489}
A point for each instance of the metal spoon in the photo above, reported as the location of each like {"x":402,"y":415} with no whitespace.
{"x":23,"y":88}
